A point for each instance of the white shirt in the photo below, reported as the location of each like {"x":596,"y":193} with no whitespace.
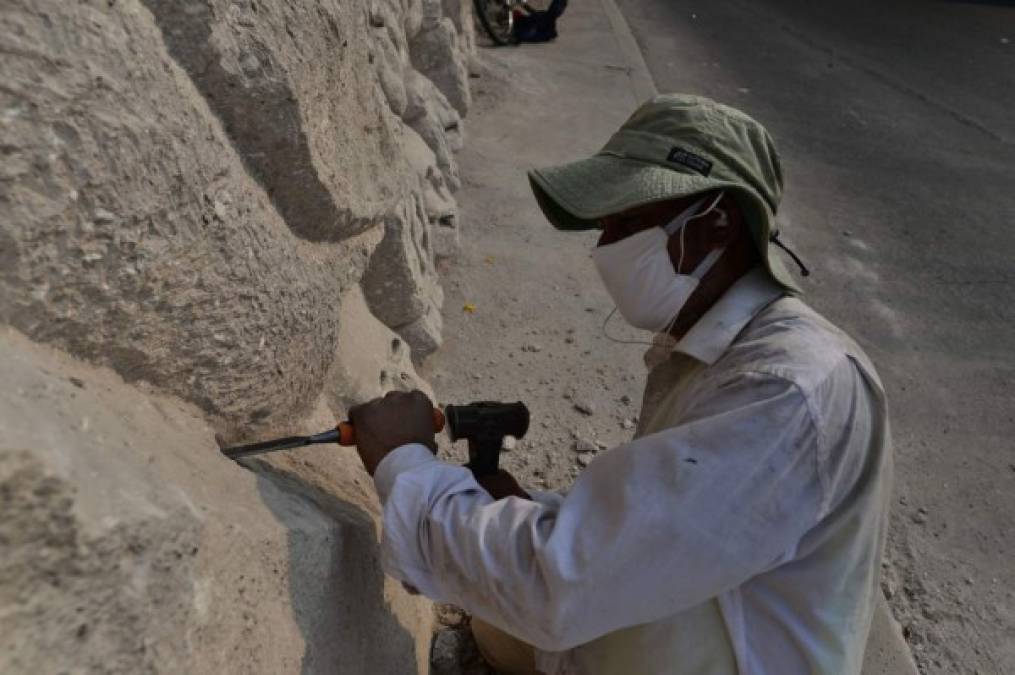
{"x":741,"y":533}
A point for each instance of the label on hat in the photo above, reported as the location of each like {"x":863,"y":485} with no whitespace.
{"x":692,"y":161}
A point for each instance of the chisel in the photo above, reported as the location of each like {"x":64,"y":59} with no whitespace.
{"x":343,"y":434}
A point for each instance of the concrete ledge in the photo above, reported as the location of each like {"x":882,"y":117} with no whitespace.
{"x":642,"y":84}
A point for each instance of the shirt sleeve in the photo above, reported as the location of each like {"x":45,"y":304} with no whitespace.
{"x":649,"y":529}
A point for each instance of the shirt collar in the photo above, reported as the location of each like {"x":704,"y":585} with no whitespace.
{"x":715,"y":331}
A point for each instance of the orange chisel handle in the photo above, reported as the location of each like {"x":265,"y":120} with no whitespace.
{"x":347,"y":433}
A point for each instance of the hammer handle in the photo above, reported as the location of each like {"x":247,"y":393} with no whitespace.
{"x":347,"y":432}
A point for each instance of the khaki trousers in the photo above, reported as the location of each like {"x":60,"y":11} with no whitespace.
{"x":887,"y":651}
{"x":505,"y":654}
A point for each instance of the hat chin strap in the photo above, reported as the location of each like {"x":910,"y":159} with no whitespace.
{"x":707,"y":263}
{"x":774,"y":238}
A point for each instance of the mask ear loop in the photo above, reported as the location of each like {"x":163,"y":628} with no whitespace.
{"x":680,"y":260}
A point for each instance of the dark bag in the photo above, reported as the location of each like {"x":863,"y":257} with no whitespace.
{"x":539,"y":26}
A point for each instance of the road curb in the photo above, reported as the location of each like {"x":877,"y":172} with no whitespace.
{"x":642,"y":85}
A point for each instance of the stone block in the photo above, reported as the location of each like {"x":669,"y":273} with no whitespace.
{"x":435,"y":53}
{"x":400,"y":282}
{"x":424,"y":334}
{"x":432,"y":117}
{"x":391,"y":74}
{"x":272,"y":72}
{"x":439,"y":204}
{"x":461,"y":14}
{"x":372,"y":359}
{"x":131,"y":545}
{"x":133,"y":235}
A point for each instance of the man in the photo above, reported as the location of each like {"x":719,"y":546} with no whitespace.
{"x":742,"y":530}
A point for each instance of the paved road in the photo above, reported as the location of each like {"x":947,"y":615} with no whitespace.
{"x":897,"y":130}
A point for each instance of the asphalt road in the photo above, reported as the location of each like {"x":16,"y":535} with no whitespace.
{"x":896,"y":124}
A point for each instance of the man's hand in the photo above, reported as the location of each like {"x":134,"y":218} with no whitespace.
{"x":501,"y":485}
{"x":390,"y":422}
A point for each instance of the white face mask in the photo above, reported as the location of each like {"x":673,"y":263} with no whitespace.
{"x":639,"y":276}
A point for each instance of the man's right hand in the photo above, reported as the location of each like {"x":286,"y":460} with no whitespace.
{"x":384,"y":424}
{"x":501,"y":485}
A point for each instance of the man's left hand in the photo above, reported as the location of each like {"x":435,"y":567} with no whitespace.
{"x":387,"y":423}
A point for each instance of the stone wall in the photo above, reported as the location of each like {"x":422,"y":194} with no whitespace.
{"x":232,"y":211}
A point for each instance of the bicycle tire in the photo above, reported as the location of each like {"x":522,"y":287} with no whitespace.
{"x":500,"y":37}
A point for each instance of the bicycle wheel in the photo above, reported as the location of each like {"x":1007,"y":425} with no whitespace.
{"x":497,"y":20}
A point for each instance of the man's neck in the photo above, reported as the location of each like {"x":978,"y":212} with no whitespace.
{"x":704,"y":298}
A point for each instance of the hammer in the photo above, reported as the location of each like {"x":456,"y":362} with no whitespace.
{"x":484,"y":424}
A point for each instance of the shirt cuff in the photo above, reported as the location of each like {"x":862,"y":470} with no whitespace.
{"x":401,"y":459}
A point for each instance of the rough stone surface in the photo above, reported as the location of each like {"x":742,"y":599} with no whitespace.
{"x":400,"y":282}
{"x":430,"y":114}
{"x":330,"y":163}
{"x":436,"y":53}
{"x":147,"y":229}
{"x":461,"y":15}
{"x":129,"y":544}
{"x":424,"y":333}
{"x":192,"y":193}
{"x":133,"y":235}
{"x":438,"y":202}
{"x":372,"y":359}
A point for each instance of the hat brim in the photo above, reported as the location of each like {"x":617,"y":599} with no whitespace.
{"x":576,"y":195}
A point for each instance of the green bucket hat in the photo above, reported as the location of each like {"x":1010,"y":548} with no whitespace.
{"x":674,"y":145}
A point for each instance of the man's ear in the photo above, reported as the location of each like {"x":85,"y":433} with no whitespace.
{"x":722,"y":228}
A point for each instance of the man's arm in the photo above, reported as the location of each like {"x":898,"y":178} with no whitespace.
{"x":651,"y":528}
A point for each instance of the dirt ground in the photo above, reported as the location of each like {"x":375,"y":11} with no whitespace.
{"x":524,"y":307}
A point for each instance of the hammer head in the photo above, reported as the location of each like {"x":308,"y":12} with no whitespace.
{"x":487,"y":420}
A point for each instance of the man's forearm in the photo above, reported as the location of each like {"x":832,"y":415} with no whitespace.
{"x":446,"y":536}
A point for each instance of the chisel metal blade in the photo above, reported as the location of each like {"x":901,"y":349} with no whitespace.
{"x":329,"y":436}
{"x":266,"y":446}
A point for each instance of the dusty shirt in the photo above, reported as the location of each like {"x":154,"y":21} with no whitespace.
{"x":742,"y":531}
